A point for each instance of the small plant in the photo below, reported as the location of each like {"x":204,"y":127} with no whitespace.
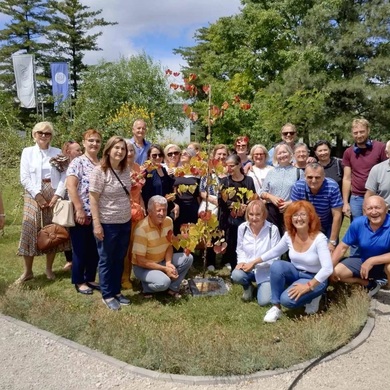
{"x":205,"y":233}
{"x":243,"y":196}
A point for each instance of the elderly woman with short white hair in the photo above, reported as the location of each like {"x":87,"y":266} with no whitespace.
{"x":39,"y":198}
{"x":172,"y":156}
{"x":259,"y":169}
{"x":277,"y":184}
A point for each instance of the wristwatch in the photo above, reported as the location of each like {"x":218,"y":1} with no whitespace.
{"x":333,"y":242}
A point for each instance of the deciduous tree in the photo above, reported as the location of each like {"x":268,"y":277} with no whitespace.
{"x":137,"y":82}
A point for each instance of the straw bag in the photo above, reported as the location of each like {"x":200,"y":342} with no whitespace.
{"x":51,"y":236}
{"x":63,"y":213}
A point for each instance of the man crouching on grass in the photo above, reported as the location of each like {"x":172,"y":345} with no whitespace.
{"x":155,"y":264}
{"x":371,"y":233}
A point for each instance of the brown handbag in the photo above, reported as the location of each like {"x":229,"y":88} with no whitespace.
{"x":51,"y":236}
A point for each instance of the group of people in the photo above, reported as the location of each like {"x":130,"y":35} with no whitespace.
{"x":129,"y":203}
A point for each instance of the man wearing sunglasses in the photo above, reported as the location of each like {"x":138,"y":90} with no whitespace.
{"x":289,"y":135}
{"x":141,"y":145}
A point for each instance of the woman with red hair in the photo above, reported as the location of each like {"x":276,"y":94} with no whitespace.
{"x":306,"y":276}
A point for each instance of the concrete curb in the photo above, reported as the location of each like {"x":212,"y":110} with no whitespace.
{"x":198,"y":380}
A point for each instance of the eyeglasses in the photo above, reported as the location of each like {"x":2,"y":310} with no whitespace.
{"x":242,"y":146}
{"x":156,"y":155}
{"x":170,"y":154}
{"x":92,"y":140}
{"x":289,"y":133}
{"x":41,"y":133}
{"x":300,"y":215}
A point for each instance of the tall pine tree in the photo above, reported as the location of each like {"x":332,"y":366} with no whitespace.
{"x":25,"y":31}
{"x":69,"y":34}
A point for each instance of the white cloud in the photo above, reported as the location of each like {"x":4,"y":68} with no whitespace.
{"x":170,"y":22}
{"x":176,"y":19}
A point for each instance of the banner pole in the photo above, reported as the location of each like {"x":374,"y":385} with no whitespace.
{"x":35,"y":86}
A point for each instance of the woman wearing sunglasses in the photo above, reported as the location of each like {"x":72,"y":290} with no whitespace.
{"x":157,"y":179}
{"x":39,"y":198}
{"x":172,"y":158}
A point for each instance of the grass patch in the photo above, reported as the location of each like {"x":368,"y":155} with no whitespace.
{"x":195,"y":336}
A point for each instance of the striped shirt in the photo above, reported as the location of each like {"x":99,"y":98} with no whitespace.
{"x":326,"y":199}
{"x":150,"y":241}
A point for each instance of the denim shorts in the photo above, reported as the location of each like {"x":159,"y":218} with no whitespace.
{"x":354,"y":264}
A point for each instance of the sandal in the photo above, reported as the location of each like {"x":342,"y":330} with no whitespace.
{"x":25,"y":278}
{"x":147,"y":295}
{"x":174,"y":294}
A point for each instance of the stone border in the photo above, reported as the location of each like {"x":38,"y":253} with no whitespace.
{"x":199,"y":380}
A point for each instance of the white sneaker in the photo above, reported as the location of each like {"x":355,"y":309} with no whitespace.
{"x":211,"y":268}
{"x":313,"y":306}
{"x":248,"y":293}
{"x":273,"y":314}
{"x":228,"y":266}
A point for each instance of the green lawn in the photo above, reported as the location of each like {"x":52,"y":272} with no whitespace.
{"x":195,"y":336}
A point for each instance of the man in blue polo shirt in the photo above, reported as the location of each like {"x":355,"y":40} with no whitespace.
{"x":141,"y":145}
{"x":324,"y":193}
{"x":371,"y":233}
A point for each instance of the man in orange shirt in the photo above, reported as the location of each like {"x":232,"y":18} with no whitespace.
{"x":154,"y":263}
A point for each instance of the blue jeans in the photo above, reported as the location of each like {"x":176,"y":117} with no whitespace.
{"x":85,"y":255}
{"x":246,"y":279}
{"x":112,"y":251}
{"x":356,"y":205}
{"x":285,"y":274}
{"x":153,"y":280}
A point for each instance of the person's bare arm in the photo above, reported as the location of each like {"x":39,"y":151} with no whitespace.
{"x":97,"y":227}
{"x":72,"y":183}
{"x":336,"y":226}
{"x":368,"y":194}
{"x":346,"y":191}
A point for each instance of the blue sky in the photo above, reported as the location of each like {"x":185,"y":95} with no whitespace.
{"x":155,"y":26}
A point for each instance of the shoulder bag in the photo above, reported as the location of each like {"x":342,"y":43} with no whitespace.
{"x":63,"y":213}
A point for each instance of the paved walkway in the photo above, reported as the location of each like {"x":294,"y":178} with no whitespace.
{"x":34,"y":359}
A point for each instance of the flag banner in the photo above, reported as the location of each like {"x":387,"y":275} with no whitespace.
{"x":59,"y":79}
{"x":24,"y":76}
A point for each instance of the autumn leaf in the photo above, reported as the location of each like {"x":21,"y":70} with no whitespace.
{"x":225,"y":105}
{"x":194,"y":116}
{"x":192,"y":77}
{"x":187,"y":109}
{"x":174,"y":86}
{"x":220,"y":248}
{"x":245,"y":106}
{"x":168,"y":72}
{"x":206,"y":89}
{"x":176,"y":74}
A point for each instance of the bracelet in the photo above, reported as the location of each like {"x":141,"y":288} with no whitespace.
{"x":2,"y":215}
{"x":310,"y":286}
